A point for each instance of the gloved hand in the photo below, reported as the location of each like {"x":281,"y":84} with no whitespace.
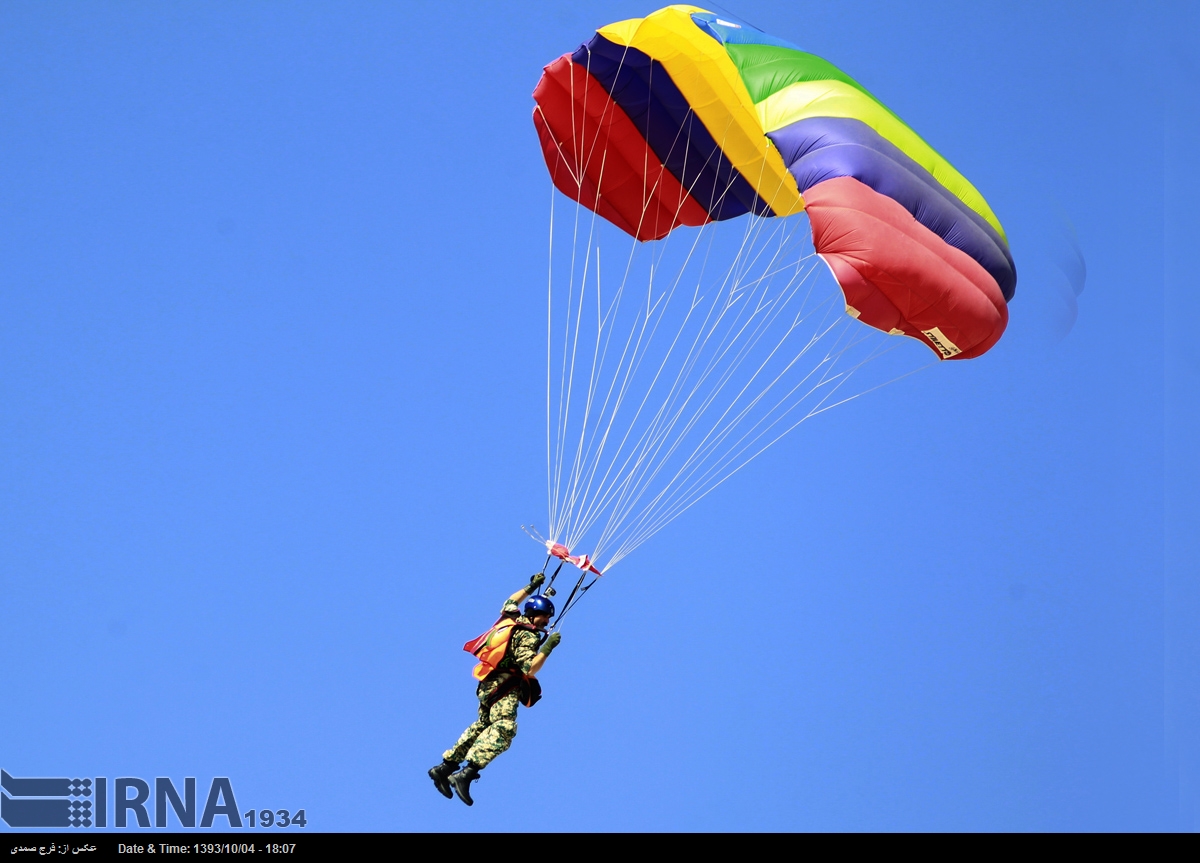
{"x":551,"y":643}
{"x":535,"y":582}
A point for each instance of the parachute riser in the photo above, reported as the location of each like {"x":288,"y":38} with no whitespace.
{"x":571,"y":604}
{"x":549,"y":591}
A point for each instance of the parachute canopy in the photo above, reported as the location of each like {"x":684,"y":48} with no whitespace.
{"x":682,"y":118}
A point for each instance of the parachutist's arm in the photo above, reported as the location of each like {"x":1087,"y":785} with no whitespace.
{"x":534,"y":584}
{"x":520,"y":595}
{"x":546,"y":650}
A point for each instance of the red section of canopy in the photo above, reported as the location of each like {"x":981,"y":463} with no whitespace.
{"x":900,"y":275}
{"x":597,"y":157}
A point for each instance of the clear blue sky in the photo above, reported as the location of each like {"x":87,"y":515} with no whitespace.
{"x":271,"y":412}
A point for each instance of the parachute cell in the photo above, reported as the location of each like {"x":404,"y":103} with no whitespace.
{"x":682,"y":118}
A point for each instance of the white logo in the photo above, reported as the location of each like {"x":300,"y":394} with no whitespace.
{"x":945,"y":347}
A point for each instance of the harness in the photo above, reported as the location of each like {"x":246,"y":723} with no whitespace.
{"x":508,"y":680}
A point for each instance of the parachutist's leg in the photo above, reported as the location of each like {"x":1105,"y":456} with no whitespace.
{"x":499,"y":727}
{"x":468,"y":737}
{"x":459,"y":752}
{"x":499,"y":733}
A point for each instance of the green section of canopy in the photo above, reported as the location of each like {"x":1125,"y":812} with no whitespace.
{"x":767,"y":69}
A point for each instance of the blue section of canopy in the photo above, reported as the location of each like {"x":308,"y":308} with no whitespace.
{"x":733,"y":33}
{"x":821,"y":148}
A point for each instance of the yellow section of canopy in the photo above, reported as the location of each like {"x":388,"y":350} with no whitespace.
{"x":702,"y":71}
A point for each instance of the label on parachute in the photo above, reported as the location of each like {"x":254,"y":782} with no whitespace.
{"x":945,"y":347}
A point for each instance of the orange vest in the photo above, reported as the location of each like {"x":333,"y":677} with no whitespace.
{"x":491,"y":647}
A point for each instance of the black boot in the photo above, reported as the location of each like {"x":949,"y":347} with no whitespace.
{"x":440,"y":776}
{"x":461,"y":782}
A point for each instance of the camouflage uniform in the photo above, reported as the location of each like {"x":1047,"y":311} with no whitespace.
{"x":494,"y":730}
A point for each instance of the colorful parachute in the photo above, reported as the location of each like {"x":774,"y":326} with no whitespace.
{"x":672,"y":364}
{"x":683,"y":118}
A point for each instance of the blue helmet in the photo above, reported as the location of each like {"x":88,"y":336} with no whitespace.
{"x":538,"y":605}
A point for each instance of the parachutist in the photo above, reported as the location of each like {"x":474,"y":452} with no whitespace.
{"x":510,"y":655}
